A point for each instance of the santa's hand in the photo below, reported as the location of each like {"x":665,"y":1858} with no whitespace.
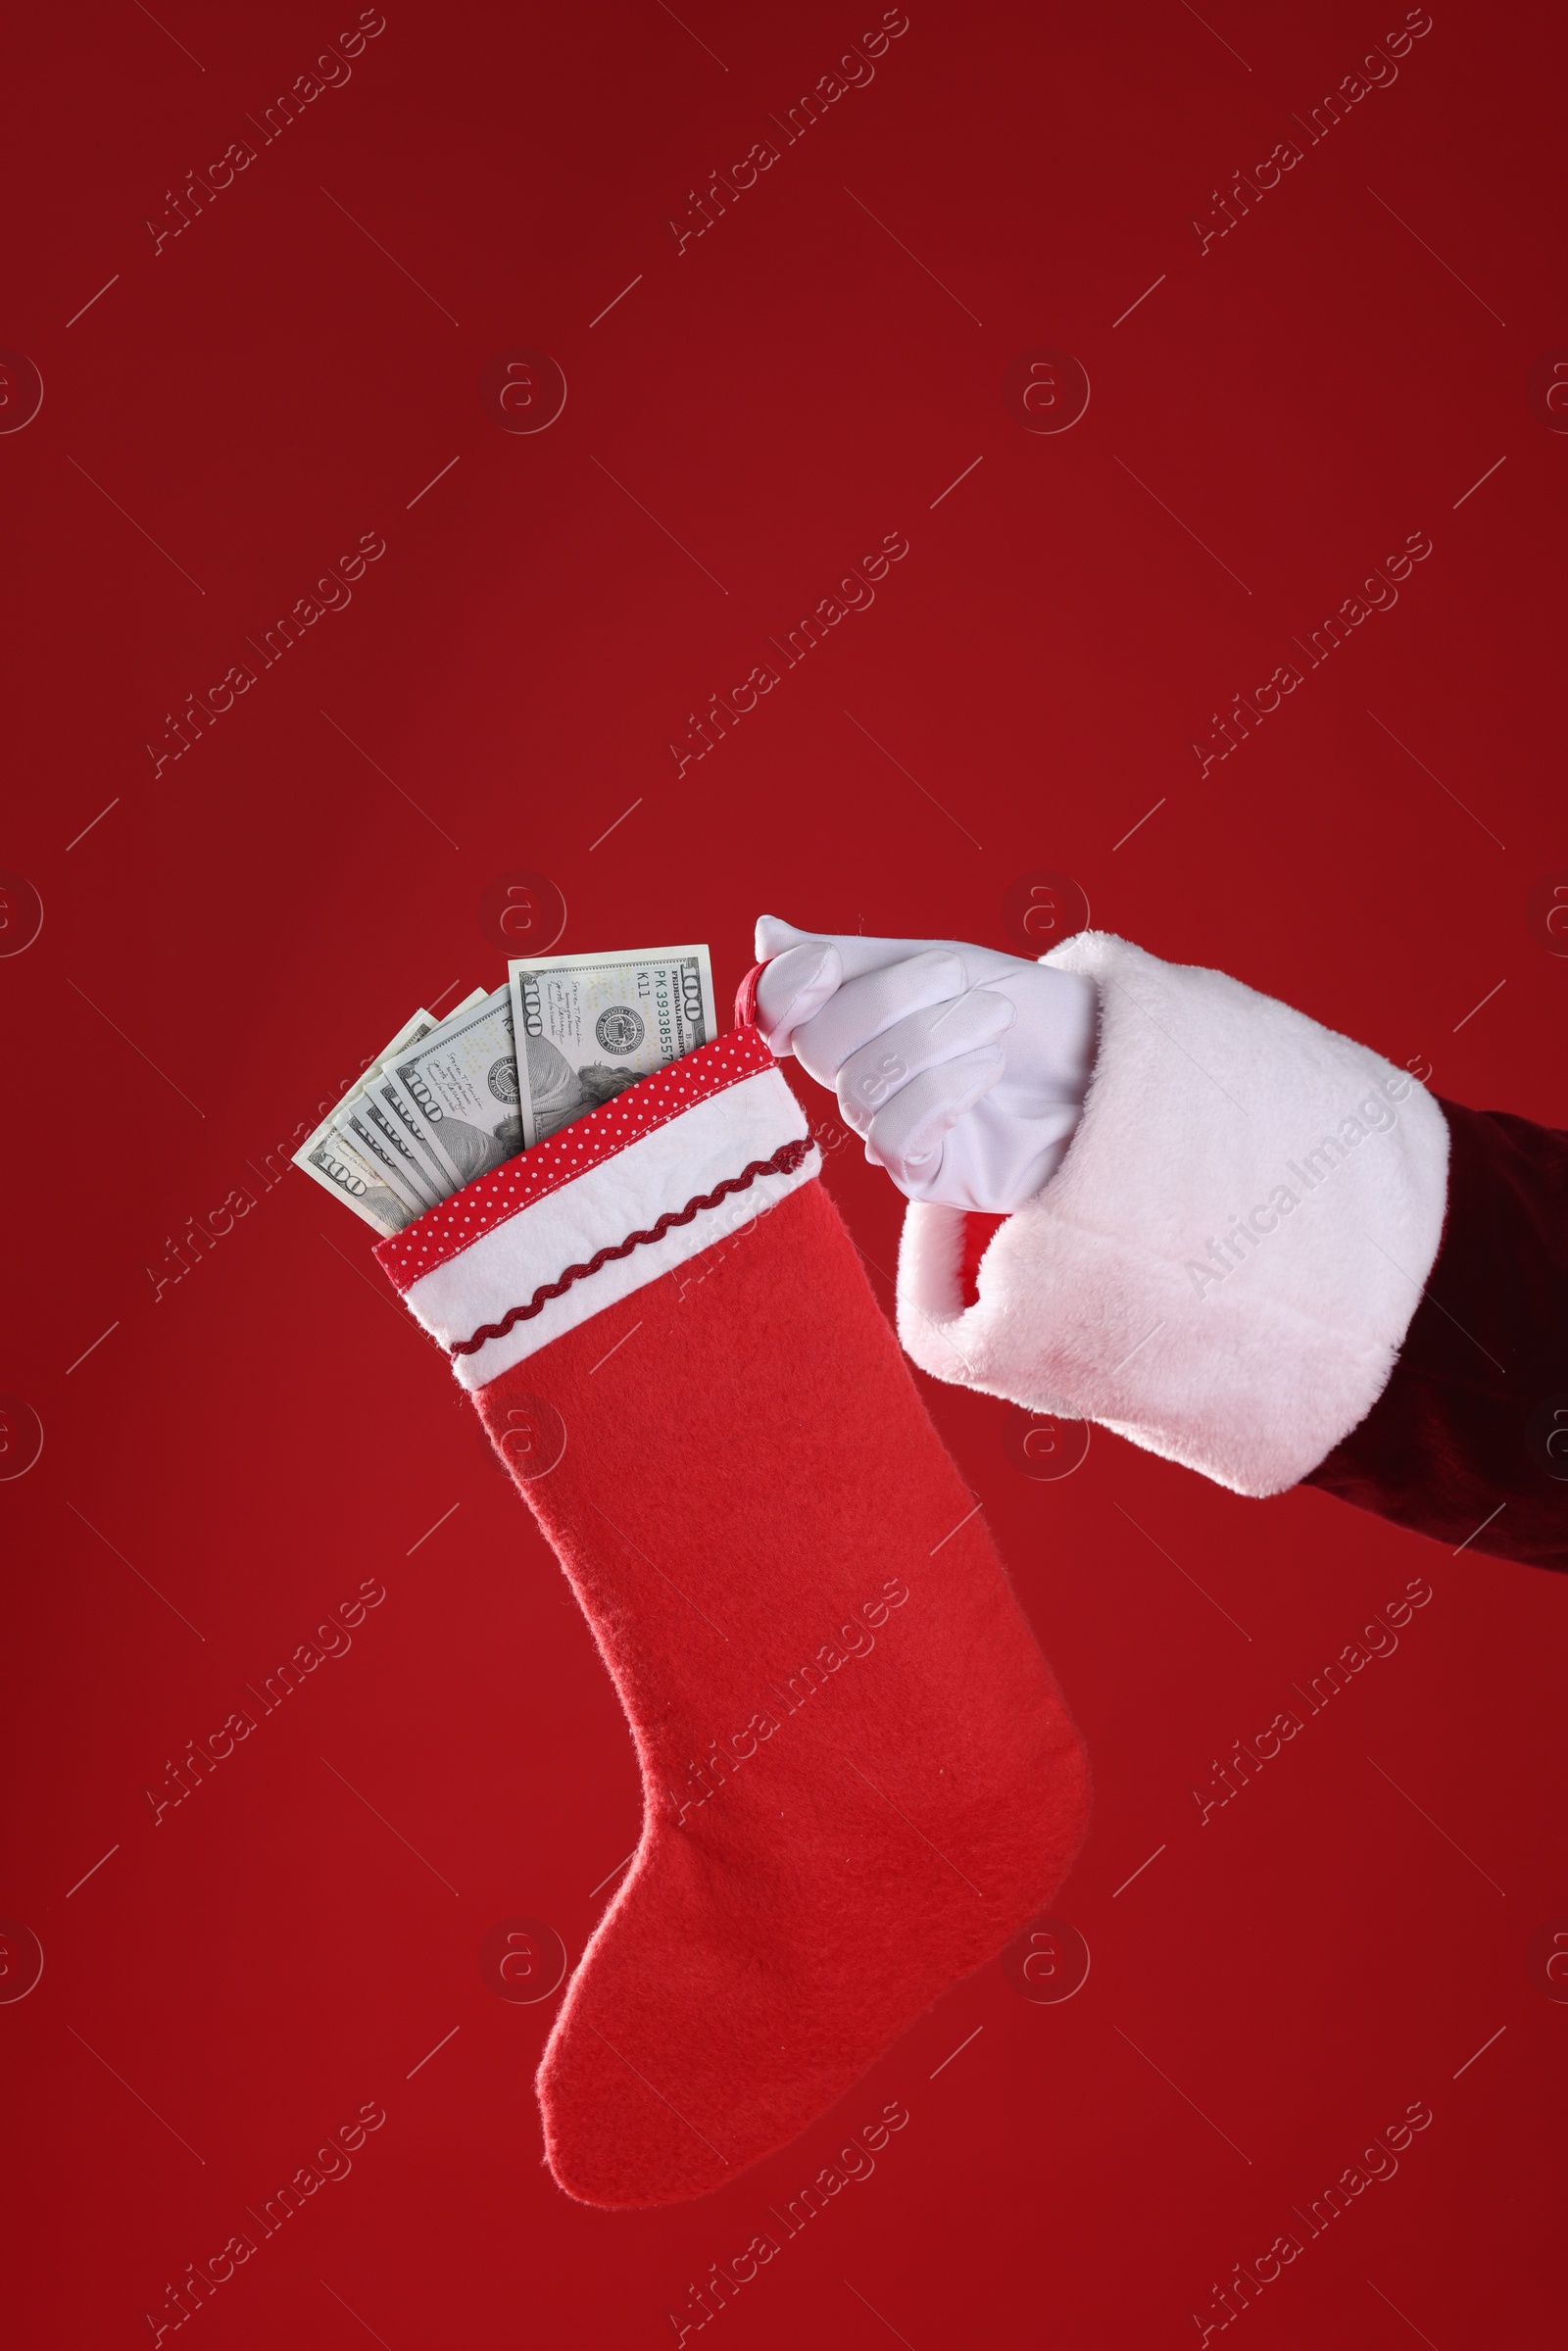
{"x":963,"y":1069}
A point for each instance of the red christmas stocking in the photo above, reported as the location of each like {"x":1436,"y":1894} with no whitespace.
{"x":858,"y":1777}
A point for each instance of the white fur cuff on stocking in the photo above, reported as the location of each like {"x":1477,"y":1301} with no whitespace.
{"x":1225,"y":1266}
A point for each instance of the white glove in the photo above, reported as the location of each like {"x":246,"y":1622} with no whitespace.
{"x":963,"y":1070}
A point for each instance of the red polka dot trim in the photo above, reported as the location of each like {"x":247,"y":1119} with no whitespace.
{"x":453,"y":1225}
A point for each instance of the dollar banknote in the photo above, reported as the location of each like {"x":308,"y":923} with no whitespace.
{"x":588,"y":1026}
{"x":338,"y":1168}
{"x":368,"y":1118}
{"x":359,"y":1150}
{"x":398,"y":1106}
{"x":370,"y":1131}
{"x":461,"y":1082}
{"x":446,"y":1100}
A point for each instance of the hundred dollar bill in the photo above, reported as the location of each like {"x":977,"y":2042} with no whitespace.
{"x":339,"y":1169}
{"x":591,"y":1025}
{"x":383,"y":1102}
{"x":369,"y":1128}
{"x":437,"y":1182}
{"x":369,"y":1171}
{"x":462,"y":1082}
{"x":369,"y":1131}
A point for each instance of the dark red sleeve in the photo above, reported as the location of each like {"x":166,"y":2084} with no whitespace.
{"x":1469,"y":1443}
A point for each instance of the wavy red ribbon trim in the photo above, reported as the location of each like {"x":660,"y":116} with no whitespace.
{"x":784,"y":1162}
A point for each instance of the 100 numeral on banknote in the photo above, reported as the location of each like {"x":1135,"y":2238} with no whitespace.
{"x":589,"y":1026}
{"x":447,"y":1100}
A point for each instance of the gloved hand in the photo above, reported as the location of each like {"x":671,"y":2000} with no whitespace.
{"x":963,"y":1069}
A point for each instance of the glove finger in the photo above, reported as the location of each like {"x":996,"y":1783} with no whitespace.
{"x":862,"y":1008}
{"x":907,"y":1137}
{"x":793,"y":986}
{"x":859,"y":954}
{"x":856,"y":953}
{"x":776,"y":937}
{"x":922,"y":1041}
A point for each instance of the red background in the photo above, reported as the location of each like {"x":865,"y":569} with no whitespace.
{"x":227,"y":942}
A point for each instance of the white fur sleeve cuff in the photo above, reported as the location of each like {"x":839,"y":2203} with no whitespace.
{"x":1225,"y":1266}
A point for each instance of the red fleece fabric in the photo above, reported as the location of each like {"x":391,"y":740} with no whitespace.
{"x":859,"y":1777}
